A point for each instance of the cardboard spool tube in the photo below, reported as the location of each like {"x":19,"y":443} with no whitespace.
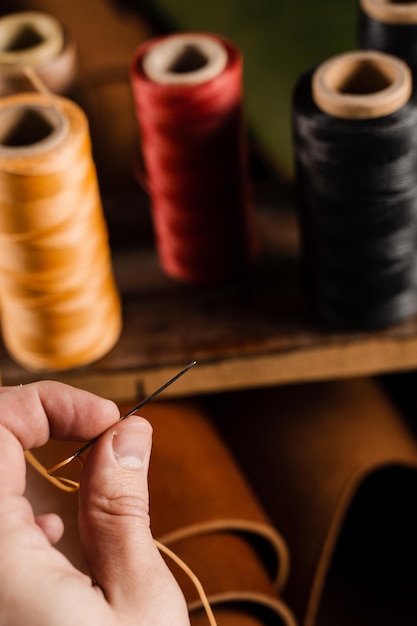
{"x":391,"y":11}
{"x":185,"y":59}
{"x":336,"y":466}
{"x":38,"y":41}
{"x":363,"y":84}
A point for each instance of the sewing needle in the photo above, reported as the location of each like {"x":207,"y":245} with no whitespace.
{"x":142,"y":403}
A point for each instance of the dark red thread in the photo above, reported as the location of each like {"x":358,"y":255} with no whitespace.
{"x":194,"y":150}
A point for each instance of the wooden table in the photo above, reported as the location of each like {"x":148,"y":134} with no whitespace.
{"x":251,"y":332}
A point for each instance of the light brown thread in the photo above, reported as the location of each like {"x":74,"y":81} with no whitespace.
{"x":69,"y":485}
{"x":65,"y":484}
{"x":39,"y":85}
{"x":193,"y":578}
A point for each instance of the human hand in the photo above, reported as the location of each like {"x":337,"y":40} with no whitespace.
{"x":39,"y":586}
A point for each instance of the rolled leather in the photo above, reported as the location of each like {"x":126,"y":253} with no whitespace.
{"x":334,"y":465}
{"x":203,"y":510}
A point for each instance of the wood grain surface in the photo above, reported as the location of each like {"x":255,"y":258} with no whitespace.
{"x":253,"y":331}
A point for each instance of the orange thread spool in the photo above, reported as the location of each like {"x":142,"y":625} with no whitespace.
{"x":60,"y":305}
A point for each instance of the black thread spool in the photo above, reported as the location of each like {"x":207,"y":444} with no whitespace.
{"x":390,"y":26}
{"x":355,"y":141}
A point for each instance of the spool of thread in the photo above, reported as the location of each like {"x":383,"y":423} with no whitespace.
{"x":355,"y":144}
{"x":390,"y":26}
{"x":188,"y":94}
{"x":60,"y":306}
{"x":38,"y":41}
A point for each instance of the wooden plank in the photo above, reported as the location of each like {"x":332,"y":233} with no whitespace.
{"x":250,"y":332}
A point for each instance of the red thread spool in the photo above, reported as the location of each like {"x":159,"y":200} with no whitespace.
{"x":188,"y":94}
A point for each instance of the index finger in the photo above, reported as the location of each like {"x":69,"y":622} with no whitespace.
{"x":38,"y":411}
{"x":31,"y":414}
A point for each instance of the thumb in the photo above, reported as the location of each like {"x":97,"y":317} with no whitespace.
{"x":115,"y":531}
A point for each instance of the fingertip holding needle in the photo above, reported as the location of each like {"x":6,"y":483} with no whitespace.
{"x":142,"y":403}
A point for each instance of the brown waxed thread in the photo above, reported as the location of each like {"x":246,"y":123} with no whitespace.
{"x":162,"y":543}
{"x":69,"y":485}
{"x":60,"y":305}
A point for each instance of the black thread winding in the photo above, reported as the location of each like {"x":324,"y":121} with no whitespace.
{"x":356,"y":183}
{"x":400,"y":40}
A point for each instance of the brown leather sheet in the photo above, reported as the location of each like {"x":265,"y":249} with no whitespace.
{"x":203,"y":510}
{"x":335,"y":466}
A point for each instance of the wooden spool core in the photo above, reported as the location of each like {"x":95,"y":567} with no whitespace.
{"x":362,"y":85}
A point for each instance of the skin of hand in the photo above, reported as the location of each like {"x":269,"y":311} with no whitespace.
{"x":39,"y":586}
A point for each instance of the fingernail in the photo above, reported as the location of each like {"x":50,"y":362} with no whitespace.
{"x":131,"y":445}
